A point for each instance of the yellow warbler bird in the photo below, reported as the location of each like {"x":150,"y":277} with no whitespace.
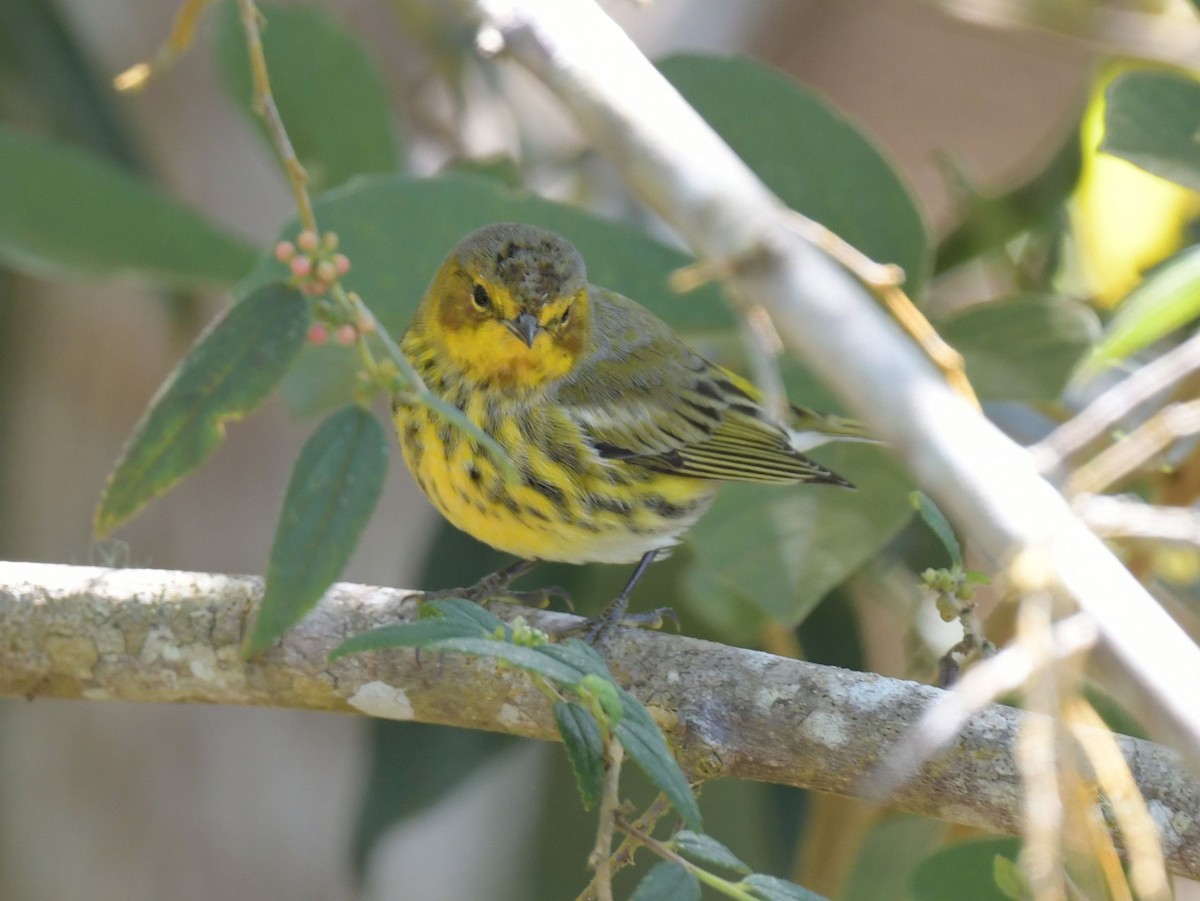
{"x":620,"y":433}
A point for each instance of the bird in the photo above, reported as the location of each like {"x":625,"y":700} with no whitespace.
{"x":619,"y":433}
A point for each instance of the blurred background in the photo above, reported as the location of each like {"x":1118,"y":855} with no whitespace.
{"x":117,"y":801}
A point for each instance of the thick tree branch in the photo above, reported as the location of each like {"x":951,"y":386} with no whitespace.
{"x":987,"y":483}
{"x":146,"y":635}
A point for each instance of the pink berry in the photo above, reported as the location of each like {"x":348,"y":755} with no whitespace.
{"x":301,"y":267}
{"x":346,"y":334}
{"x":342,"y":262}
{"x":318,"y":333}
{"x":329,"y":241}
{"x":307,"y":241}
{"x":284,"y":251}
{"x":365,"y":324}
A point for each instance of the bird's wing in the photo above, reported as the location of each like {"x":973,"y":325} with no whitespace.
{"x":640,"y":395}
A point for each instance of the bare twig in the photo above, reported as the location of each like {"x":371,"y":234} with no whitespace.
{"x":1148,"y":440}
{"x":1039,"y":756}
{"x":610,"y":804}
{"x":1122,"y":517}
{"x":1102,"y":414}
{"x":264,"y":105}
{"x":183,"y":30}
{"x":1147,"y":870}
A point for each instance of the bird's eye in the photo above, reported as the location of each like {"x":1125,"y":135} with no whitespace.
{"x":482,"y":299}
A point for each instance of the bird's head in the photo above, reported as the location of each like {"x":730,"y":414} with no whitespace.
{"x":509,"y":306}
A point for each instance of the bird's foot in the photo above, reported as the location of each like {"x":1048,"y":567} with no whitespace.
{"x":494,"y":587}
{"x":616,"y":614}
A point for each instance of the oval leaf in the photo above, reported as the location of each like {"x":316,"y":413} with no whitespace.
{"x":1152,"y":119}
{"x":772,"y":888}
{"x":585,"y":749}
{"x":668,"y":881}
{"x":964,"y":870}
{"x":784,"y":547}
{"x":707,"y":849}
{"x":521,"y":657}
{"x":644,"y":742}
{"x":1168,"y":299}
{"x":809,"y":154}
{"x":65,"y":212}
{"x":330,"y":497}
{"x":1024,"y":347}
{"x":933,"y":517}
{"x":230,"y":371}
{"x":887,"y":856}
{"x":330,"y":95}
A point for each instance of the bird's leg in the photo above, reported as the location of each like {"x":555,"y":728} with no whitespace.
{"x":495,"y":585}
{"x":617,"y":613}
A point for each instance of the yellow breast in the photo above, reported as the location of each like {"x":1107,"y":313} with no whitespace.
{"x":565,"y":504}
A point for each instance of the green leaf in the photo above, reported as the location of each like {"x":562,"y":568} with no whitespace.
{"x":809,"y":154}
{"x":419,"y":634}
{"x":585,"y":749}
{"x":230,"y":371}
{"x":396,"y":230}
{"x":52,"y":86}
{"x":772,"y":888}
{"x":989,"y":222}
{"x":1167,"y":299}
{"x":67,"y":213}
{"x":578,"y":655}
{"x":938,"y":524}
{"x":466,"y":613}
{"x":1009,"y":879}
{"x":331,"y":97}
{"x":643,"y":741}
{"x":964,"y":870}
{"x":331,"y":495}
{"x":1152,"y":119}
{"x":524,"y":658}
{"x":707,"y":849}
{"x":785,"y":547}
{"x":1023,"y":347}
{"x":888,"y":855}
{"x":667,"y":881}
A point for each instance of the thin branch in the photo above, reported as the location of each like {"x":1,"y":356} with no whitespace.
{"x":264,"y":105}
{"x":600,"y":860}
{"x":1147,"y":441}
{"x":1121,"y":517}
{"x":183,"y":31}
{"x":681,"y":168}
{"x":1106,"y":411}
{"x":167,"y":637}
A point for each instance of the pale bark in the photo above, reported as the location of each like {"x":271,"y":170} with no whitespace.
{"x":157,"y":636}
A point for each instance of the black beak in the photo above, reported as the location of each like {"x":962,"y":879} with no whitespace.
{"x":524,"y":327}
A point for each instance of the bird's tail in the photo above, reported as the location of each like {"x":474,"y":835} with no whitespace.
{"x":809,"y":428}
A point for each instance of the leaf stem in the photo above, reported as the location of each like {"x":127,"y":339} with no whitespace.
{"x":264,"y":105}
{"x":666,"y":852}
{"x":610,"y":802}
{"x":183,"y":30}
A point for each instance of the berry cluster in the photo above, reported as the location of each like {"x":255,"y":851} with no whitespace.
{"x":316,"y":267}
{"x":314,"y":261}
